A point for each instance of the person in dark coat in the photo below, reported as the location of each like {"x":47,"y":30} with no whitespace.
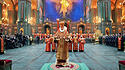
{"x":38,"y":39}
{"x":21,"y":39}
{"x":24,"y":40}
{"x":116,"y":41}
{"x":123,"y":43}
{"x":31,"y":40}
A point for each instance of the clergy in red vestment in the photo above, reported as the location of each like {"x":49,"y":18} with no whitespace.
{"x":75,"y":43}
{"x":119,"y":43}
{"x":53,"y":44}
{"x":70,"y":43}
{"x":77,"y":35}
{"x":48,"y":42}
{"x":84,"y":35}
{"x":45,"y":36}
{"x":2,"y":45}
{"x":81,"y":44}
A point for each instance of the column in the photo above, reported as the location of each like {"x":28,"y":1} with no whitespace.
{"x":43,"y":14}
{"x":100,"y":14}
{"x":84,"y":6}
{"x":24,"y":14}
{"x":28,"y":17}
{"x":37,"y":20}
{"x":38,"y":15}
{"x":105,"y":9}
{"x":0,"y":18}
{"x":123,"y":16}
{"x":0,"y":14}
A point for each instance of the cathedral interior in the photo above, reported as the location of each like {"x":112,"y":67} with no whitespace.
{"x":40,"y":16}
{"x":28,"y":31}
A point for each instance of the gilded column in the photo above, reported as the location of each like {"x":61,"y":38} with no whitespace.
{"x":123,"y":16}
{"x":0,"y":18}
{"x":0,"y":14}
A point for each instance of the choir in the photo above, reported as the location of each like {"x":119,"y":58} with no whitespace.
{"x":76,"y":43}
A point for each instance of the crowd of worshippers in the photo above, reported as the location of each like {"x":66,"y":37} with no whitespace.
{"x":117,"y":41}
{"x":16,"y":41}
{"x":76,"y":43}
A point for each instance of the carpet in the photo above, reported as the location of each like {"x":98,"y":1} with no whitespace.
{"x":73,"y":66}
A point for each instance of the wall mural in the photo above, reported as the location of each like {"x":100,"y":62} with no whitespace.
{"x":72,"y":9}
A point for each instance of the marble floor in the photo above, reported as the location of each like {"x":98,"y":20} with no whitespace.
{"x":95,"y":56}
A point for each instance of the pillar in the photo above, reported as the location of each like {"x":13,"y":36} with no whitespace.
{"x":0,"y":18}
{"x":37,"y":20}
{"x":37,"y":16}
{"x":24,"y":14}
{"x":84,"y":6}
{"x":0,"y":15}
{"x":43,"y":11}
{"x":104,"y":10}
{"x":123,"y":16}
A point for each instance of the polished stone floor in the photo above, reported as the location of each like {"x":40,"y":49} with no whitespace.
{"x":96,"y":57}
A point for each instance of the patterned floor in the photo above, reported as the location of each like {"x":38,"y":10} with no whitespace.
{"x":96,"y":57}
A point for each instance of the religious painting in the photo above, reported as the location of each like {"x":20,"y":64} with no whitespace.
{"x":22,"y":30}
{"x":47,"y":29}
{"x":107,"y":30}
{"x":72,"y":9}
{"x":80,"y":30}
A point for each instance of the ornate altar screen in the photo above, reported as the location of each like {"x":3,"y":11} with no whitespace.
{"x":72,"y":9}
